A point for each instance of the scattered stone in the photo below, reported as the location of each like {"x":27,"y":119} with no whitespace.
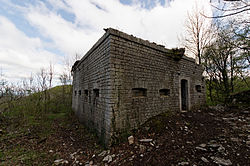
{"x":204,"y":159}
{"x":203,"y":145}
{"x":72,"y":155}
{"x":130,"y":140}
{"x":221,"y":161}
{"x":245,"y":112}
{"x":102,"y":154}
{"x":211,"y":114}
{"x":91,"y":162}
{"x":1,"y":131}
{"x":149,"y":149}
{"x":201,"y":149}
{"x":108,"y":159}
{"x":248,"y":142}
{"x":152,"y":144}
{"x":51,"y":151}
{"x":234,"y":139}
{"x":221,"y":149}
{"x":183,"y":163}
{"x":214,"y":146}
{"x":142,"y":148}
{"x":146,"y":140}
{"x":60,"y":161}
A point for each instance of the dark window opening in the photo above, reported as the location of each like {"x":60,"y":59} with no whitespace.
{"x":96,"y":92}
{"x":79,"y":92}
{"x":96,"y":95}
{"x":198,"y":88}
{"x":139,"y":92}
{"x":75,"y":93}
{"x":164,"y":92}
{"x":86,"y":93}
{"x":184,"y":94}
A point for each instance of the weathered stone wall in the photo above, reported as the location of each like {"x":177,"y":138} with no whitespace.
{"x":92,"y":89}
{"x":135,"y":80}
{"x":136,"y":63}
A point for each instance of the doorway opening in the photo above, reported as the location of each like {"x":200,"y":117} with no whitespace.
{"x":184,"y":94}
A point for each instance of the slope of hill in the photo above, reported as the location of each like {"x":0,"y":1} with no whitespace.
{"x":35,"y":132}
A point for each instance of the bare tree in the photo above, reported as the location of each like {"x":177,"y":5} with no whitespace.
{"x":42,"y":81}
{"x":68,"y":63}
{"x":198,"y":33}
{"x":65,"y":79}
{"x":3,"y":84}
{"x":51,"y":74}
{"x":236,"y":7}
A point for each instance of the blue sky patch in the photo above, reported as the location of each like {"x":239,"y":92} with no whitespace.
{"x":17,"y":18}
{"x":148,"y":4}
{"x":66,"y":15}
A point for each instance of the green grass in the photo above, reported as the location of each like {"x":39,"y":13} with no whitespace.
{"x":218,"y":95}
{"x":30,"y":119}
{"x":24,"y":156}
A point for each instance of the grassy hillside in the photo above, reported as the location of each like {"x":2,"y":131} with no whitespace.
{"x":41,"y":130}
{"x":28,"y":122}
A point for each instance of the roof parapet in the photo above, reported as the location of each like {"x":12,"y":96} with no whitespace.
{"x":176,"y":53}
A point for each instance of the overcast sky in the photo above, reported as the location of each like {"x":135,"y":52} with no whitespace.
{"x":35,"y":33}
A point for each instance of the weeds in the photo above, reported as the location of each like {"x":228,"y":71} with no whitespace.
{"x":25,"y":122}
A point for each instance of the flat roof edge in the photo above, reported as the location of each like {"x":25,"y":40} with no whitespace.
{"x":99,"y":42}
{"x":114,"y":32}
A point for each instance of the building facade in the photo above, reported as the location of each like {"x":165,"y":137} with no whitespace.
{"x":122,"y":81}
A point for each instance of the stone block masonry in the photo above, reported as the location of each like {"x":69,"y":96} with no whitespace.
{"x":122,"y":81}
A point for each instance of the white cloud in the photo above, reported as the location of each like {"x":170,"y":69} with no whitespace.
{"x":161,"y":24}
{"x":20,"y":54}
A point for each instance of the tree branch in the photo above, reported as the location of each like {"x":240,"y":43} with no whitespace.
{"x":231,"y":14}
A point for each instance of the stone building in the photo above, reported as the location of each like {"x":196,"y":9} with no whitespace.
{"x":122,"y":81}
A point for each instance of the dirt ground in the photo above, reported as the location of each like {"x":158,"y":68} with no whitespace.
{"x":212,"y":136}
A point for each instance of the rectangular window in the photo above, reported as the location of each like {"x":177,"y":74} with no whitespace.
{"x":79,"y":92}
{"x":75,"y":93}
{"x":164,"y":92}
{"x":86,"y":93}
{"x":198,"y":88}
{"x":96,"y":92}
{"x":139,"y":92}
